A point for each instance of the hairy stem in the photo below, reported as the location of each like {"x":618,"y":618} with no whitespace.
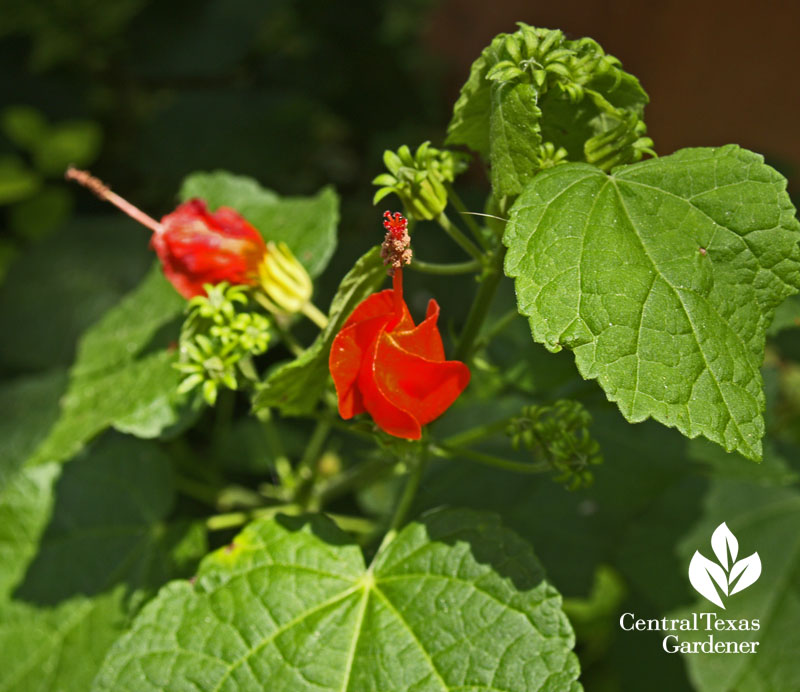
{"x":445,"y":269}
{"x":490,"y":460}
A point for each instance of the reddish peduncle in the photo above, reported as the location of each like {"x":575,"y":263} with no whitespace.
{"x":104,"y":192}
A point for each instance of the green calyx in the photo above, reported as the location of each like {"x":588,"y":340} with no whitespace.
{"x":218,"y":337}
{"x":420,"y":180}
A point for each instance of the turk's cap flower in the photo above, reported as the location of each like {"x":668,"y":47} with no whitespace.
{"x":384,"y":365}
{"x":197,"y":247}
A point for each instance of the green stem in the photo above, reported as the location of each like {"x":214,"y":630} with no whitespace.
{"x":445,"y":269}
{"x":406,"y":499}
{"x":490,"y":460}
{"x":315,"y":315}
{"x":455,"y":200}
{"x":232,"y":520}
{"x":477,"y":434}
{"x":196,"y":490}
{"x":498,"y":326}
{"x":461,"y":240}
{"x":480,"y":307}
{"x":306,"y":469}
{"x":283,"y":467}
{"x":355,"y":477}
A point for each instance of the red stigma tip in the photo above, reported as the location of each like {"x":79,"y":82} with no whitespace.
{"x":396,"y":224}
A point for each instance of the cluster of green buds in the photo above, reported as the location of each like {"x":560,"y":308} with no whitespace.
{"x":558,"y":435}
{"x":624,"y":141}
{"x":420,"y":180}
{"x":218,"y":339}
{"x":549,"y":156}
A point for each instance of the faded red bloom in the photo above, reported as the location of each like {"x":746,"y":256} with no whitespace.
{"x":384,"y":365}
{"x":197,"y":247}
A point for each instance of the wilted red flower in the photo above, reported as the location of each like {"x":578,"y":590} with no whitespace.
{"x":197,"y":247}
{"x":384,"y":365}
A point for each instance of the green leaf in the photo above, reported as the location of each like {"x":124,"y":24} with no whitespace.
{"x":30,"y":407}
{"x":536,"y":86}
{"x":454,"y":602}
{"x":107,"y":547}
{"x":68,"y":283}
{"x":23,"y":125}
{"x":763,"y":520}
{"x":116,"y":378}
{"x":662,"y":278}
{"x":515,"y":137}
{"x":75,"y":143}
{"x":295,"y":388}
{"x":25,"y":505}
{"x":306,"y":224}
{"x":787,"y":316}
{"x":17,"y":181}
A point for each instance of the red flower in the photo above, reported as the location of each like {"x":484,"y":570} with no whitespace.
{"x":197,"y":247}
{"x":382,"y":364}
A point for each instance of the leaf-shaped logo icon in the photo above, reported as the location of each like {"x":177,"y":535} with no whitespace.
{"x":749,"y":568}
{"x":724,"y":543}
{"x":703,"y":573}
{"x":710,"y":579}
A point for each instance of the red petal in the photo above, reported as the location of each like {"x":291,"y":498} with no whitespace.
{"x":424,"y":340}
{"x":348,"y":351}
{"x":422,"y":387}
{"x":196,"y":247}
{"x":378,"y":304}
{"x":389,"y":417}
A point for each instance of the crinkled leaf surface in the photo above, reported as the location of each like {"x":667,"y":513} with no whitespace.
{"x":766,"y":520}
{"x":295,"y":388}
{"x":306,"y":224}
{"x":117,"y":377}
{"x":455,"y":602}
{"x":107,"y":546}
{"x":662,"y":278}
{"x":505,"y":116}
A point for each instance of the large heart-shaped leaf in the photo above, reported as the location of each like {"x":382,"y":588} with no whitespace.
{"x":662,"y":278}
{"x":455,"y":602}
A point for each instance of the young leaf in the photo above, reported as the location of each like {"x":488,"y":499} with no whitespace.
{"x":108,"y":546}
{"x":115,"y":378}
{"x":662,"y":279}
{"x":454,"y":602}
{"x":535,"y":86}
{"x":295,"y":388}
{"x":306,"y":224}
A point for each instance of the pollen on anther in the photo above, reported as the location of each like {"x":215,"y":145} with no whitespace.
{"x":395,"y":250}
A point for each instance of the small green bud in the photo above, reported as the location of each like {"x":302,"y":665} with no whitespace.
{"x":420,"y":180}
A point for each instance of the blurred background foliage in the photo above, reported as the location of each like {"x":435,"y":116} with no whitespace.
{"x":300,"y":94}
